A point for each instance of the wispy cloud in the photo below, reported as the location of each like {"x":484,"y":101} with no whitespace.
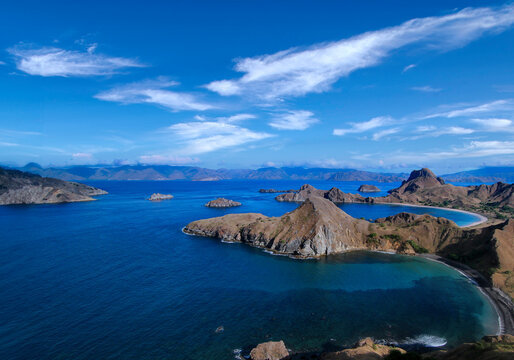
{"x":495,"y":124}
{"x":295,"y":72}
{"x":360,"y":127}
{"x":409,"y":67}
{"x":51,"y":61}
{"x":473,"y":149}
{"x":154,"y":92}
{"x":237,"y":118}
{"x":380,"y":134}
{"x":293,"y":120}
{"x":426,"y":88}
{"x":207,"y":136}
{"x":494,"y":106}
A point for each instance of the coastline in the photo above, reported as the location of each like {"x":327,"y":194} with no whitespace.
{"x":499,"y":300}
{"x":482,"y":218}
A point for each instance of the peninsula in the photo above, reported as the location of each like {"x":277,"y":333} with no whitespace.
{"x":17,"y":187}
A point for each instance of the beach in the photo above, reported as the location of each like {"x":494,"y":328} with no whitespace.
{"x":482,"y":218}
{"x":500,"y":301}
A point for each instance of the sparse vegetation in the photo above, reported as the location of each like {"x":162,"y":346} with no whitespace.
{"x":417,"y":248}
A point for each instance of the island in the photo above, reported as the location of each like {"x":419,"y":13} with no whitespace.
{"x":222,"y":203}
{"x":18,"y":187}
{"x":368,"y":189}
{"x":159,"y":197}
{"x":318,"y":227}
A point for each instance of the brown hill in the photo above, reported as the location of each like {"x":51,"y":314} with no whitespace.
{"x":17,"y":187}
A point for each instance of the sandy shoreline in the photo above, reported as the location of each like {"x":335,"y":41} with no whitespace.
{"x":499,"y":300}
{"x":482,"y":218}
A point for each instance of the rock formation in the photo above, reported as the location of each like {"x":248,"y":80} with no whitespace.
{"x":423,"y":187}
{"x":271,"y":350}
{"x":159,"y":197}
{"x":17,"y":187}
{"x":222,"y":203}
{"x":335,"y":195}
{"x":368,"y":188}
{"x":488,"y":348}
{"x":365,"y":349}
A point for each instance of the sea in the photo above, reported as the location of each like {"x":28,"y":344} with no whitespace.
{"x":117,"y":278}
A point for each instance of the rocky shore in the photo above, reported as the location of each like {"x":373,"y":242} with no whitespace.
{"x":222,"y":203}
{"x":271,"y":191}
{"x":17,"y":187}
{"x":488,"y":348}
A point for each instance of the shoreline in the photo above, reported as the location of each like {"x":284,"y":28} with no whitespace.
{"x":482,"y":218}
{"x":501,"y":302}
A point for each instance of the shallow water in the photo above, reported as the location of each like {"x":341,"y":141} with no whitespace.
{"x":117,"y":279}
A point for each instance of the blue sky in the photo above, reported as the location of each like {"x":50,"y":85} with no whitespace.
{"x":371,"y":85}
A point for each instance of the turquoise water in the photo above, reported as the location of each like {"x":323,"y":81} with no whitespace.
{"x":117,"y":279}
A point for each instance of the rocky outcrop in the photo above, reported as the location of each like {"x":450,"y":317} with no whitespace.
{"x":271,"y":350}
{"x":335,"y":195}
{"x":222,"y":203}
{"x":365,"y":349}
{"x":368,"y":188}
{"x":17,"y":187}
{"x":489,"y":348}
{"x":159,"y":197}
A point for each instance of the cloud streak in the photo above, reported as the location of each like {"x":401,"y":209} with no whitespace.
{"x":207,"y":136}
{"x":361,"y":127}
{"x":296,"y":72}
{"x":154,"y":92}
{"x":294,"y":120}
{"x":51,"y":61}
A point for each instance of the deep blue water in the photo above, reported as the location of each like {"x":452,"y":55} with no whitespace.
{"x":117,"y":279}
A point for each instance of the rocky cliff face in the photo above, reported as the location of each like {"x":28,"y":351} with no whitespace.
{"x":17,"y":187}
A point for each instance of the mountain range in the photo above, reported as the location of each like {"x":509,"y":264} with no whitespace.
{"x":169,"y":172}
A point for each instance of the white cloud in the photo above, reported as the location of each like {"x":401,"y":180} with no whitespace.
{"x":495,"y":124}
{"x":374,"y":123}
{"x":154,"y":92}
{"x":294,"y":120}
{"x":427,"y":88}
{"x":295,"y":72}
{"x":380,"y":134}
{"x":474,"y":149}
{"x":167,"y":159}
{"x":207,"y":136}
{"x":50,"y":61}
{"x":498,"y":105}
{"x":454,"y":130}
{"x":82,"y":156}
{"x":425,"y":128}
{"x":409,"y":67}
{"x":237,"y":117}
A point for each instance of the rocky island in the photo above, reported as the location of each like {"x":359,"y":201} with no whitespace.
{"x":368,"y":189}
{"x":271,"y":191}
{"x":159,"y":197}
{"x":423,"y":187}
{"x":222,"y":203}
{"x":318,"y":227}
{"x":18,"y":187}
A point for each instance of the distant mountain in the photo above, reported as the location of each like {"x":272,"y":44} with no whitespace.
{"x":167,"y":172}
{"x":483,"y":175}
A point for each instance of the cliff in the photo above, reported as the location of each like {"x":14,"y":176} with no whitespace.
{"x":17,"y":187}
